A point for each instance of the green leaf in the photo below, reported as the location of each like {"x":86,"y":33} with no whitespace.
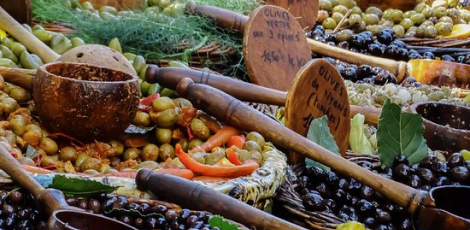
{"x":80,"y":187}
{"x":319,"y":132}
{"x":400,"y":133}
{"x":132,"y":212}
{"x":221,"y":223}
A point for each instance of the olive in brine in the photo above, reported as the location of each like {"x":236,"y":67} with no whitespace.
{"x":18,"y":124}
{"x":199,"y":129}
{"x":166,"y":151}
{"x":118,"y":147}
{"x":182,"y":102}
{"x":131,"y":154}
{"x":194,"y":143}
{"x":162,"y":104}
{"x":455,"y":160}
{"x":215,"y":156}
{"x":141,"y":119}
{"x":256,"y":137}
{"x":150,"y":152}
{"x":167,"y":118}
{"x":251,"y":145}
{"x":68,"y":153}
{"x":91,"y":163}
{"x":49,"y":146}
{"x":184,"y":143}
{"x":163,"y":135}
{"x":20,"y":94}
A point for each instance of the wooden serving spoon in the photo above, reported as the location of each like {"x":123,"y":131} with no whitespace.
{"x":433,"y":72}
{"x":195,"y":196}
{"x":52,"y":201}
{"x":436,"y":210}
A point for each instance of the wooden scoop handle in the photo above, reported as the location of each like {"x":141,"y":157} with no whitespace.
{"x":234,"y":112}
{"x":223,"y":18}
{"x":20,"y":77}
{"x":30,"y":41}
{"x":198,"y":197}
{"x":169,"y":77}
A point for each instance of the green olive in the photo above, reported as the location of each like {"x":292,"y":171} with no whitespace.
{"x":329,"y":23}
{"x":454,"y":14}
{"x":7,"y":53}
{"x":182,"y":102}
{"x":428,"y":12}
{"x":114,"y":161}
{"x":87,"y":5}
{"x":430,"y":32}
{"x":444,"y":28}
{"x":163,"y":103}
{"x":406,"y":23}
{"x":421,"y":31}
{"x":32,"y":137}
{"x":184,"y":143}
{"x":417,"y":18}
{"x":80,"y":159}
{"x":334,"y":3}
{"x":68,"y":154}
{"x":117,"y":146}
{"x":131,"y":154}
{"x":399,"y":30}
{"x":18,"y":124}
{"x":420,"y":7}
{"x":256,"y":155}
{"x":91,"y":163}
{"x":341,"y":9}
{"x":215,"y":156}
{"x":166,"y":151}
{"x":251,"y":145}
{"x":256,"y":137}
{"x":43,"y":35}
{"x":440,"y":11}
{"x":344,"y":35}
{"x":7,"y":41}
{"x":356,"y":10}
{"x":371,"y":19}
{"x":325,"y":5}
{"x":49,"y":145}
{"x":411,"y":31}
{"x":199,"y":157}
{"x":150,"y":152}
{"x":374,"y":10}
{"x":396,"y":16}
{"x":163,"y":135}
{"x":337,"y":16}
{"x":427,"y":23}
{"x":76,"y":41}
{"x":347,"y":3}
{"x":49,"y":161}
{"x":199,"y":129}
{"x":194,"y":143}
{"x":374,"y":29}
{"x":167,"y":118}
{"x":446,"y":19}
{"x":108,"y":9}
{"x":20,"y":94}
{"x":243,"y":155}
{"x":141,"y":119}
{"x":453,"y":3}
{"x":354,"y":19}
{"x":9,"y":105}
{"x":152,"y":165}
{"x":17,"y":48}
{"x":408,"y":13}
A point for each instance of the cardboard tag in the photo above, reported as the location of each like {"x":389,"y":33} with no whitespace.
{"x":317,"y":90}
{"x":275,"y":47}
{"x":305,"y":11}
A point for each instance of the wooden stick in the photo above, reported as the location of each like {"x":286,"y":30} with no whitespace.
{"x":234,"y":112}
{"x":169,"y":77}
{"x":30,"y":41}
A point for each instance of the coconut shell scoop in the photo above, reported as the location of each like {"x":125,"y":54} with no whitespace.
{"x":445,"y":207}
{"x":52,"y":201}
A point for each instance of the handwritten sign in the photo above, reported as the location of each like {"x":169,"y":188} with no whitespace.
{"x":275,"y":47}
{"x":305,"y":11}
{"x":319,"y":90}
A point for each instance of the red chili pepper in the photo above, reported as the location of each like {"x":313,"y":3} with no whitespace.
{"x":146,"y":103}
{"x":232,"y":157}
{"x":72,"y":140}
{"x":216,"y":171}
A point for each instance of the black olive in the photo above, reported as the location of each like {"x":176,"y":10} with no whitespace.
{"x":304,"y":182}
{"x":446,"y":57}
{"x":348,"y":211}
{"x":331,"y":177}
{"x":344,"y":45}
{"x":139,"y":223}
{"x":414,"y":181}
{"x":375,"y":49}
{"x":428,"y":55}
{"x":426,"y":175}
{"x":42,"y":225}
{"x":3,"y":195}
{"x":144,"y":208}
{"x":171,"y":216}
{"x":161,"y":222}
{"x":398,"y":43}
{"x":23,"y":225}
{"x":174,"y":224}
{"x":426,"y":187}
{"x":23,"y":214}
{"x":343,"y":184}
{"x":344,"y":216}
{"x":365,"y":207}
{"x":354,"y":186}
{"x":94,"y":205}
{"x":205,"y":228}
{"x":108,"y":204}
{"x":71,"y":201}
{"x":183,"y":215}
{"x":406,"y":224}
{"x":442,"y":180}
{"x":159,"y":209}
{"x":460,"y":59}
{"x":7,"y":209}
{"x":366,"y":192}
{"x":392,"y":51}
{"x":192,"y":220}
{"x":339,"y":195}
{"x":102,"y":196}
{"x":202,"y":215}
{"x":16,"y":197}
{"x":151,"y":223}
{"x":401,"y":172}
{"x":313,"y":201}
{"x":34,"y":216}
{"x":120,"y":203}
{"x":349,"y":73}
{"x":127,"y":219}
{"x":9,"y":222}
{"x":440,"y":168}
{"x":319,"y":38}
{"x":82,"y":203}
{"x":382,"y":216}
{"x":331,"y":204}
{"x":400,"y":159}
{"x":384,"y":37}
{"x":197,"y":225}
{"x":357,"y":40}
{"x":370,"y":222}
{"x":460,"y":173}
{"x":455,"y":160}
{"x":414,"y":55}
{"x":133,"y":206}
{"x":323,"y":190}
{"x":330,"y":37}
{"x":362,"y":72}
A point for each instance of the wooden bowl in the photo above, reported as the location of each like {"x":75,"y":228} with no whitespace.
{"x":85,"y":101}
{"x":446,"y":126}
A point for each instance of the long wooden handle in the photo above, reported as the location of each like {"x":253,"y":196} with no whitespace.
{"x":234,"y":112}
{"x":30,"y":41}
{"x":223,"y":18}
{"x":20,"y":77}
{"x":198,"y":197}
{"x":169,"y":77}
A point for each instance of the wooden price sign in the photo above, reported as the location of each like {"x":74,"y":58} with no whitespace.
{"x":305,"y":11}
{"x":275,"y":47}
{"x":318,"y":90}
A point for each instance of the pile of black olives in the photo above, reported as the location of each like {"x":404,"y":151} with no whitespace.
{"x":350,"y":200}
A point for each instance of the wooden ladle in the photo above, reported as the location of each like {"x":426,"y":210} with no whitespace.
{"x":431,"y":211}
{"x":169,"y":77}
{"x":434,"y":72}
{"x":52,"y":201}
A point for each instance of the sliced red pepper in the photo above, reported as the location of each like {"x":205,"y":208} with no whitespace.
{"x":191,"y":136}
{"x":216,"y":171}
{"x":146,"y":103}
{"x":70,"y":139}
{"x":232,"y":157}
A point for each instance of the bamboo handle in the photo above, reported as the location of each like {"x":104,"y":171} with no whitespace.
{"x":20,"y":77}
{"x":198,"y":197}
{"x":169,"y":77}
{"x":233,"y":112}
{"x":30,"y":41}
{"x":223,"y":18}
{"x":397,"y":68}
